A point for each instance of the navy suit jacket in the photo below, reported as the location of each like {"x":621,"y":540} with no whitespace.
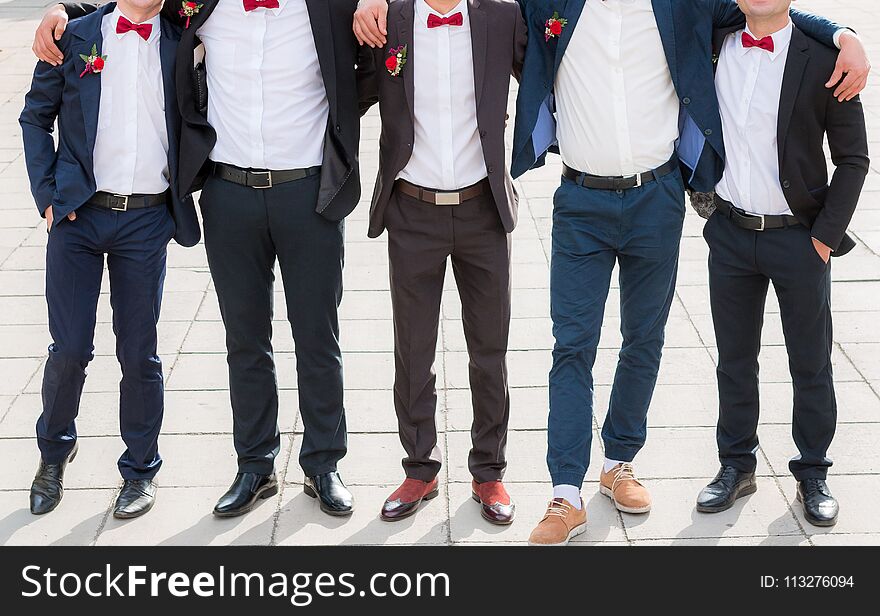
{"x":64,"y":177}
{"x":686,"y":27}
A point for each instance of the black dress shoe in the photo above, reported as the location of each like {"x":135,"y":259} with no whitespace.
{"x":729,"y":484}
{"x":135,"y":499}
{"x":48,"y":486}
{"x":243,"y":494}
{"x":820,"y":508}
{"x":333,"y":496}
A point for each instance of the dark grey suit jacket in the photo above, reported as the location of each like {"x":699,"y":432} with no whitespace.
{"x":498,"y":37}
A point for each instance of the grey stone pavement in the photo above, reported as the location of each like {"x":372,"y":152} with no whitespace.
{"x":196,"y":444}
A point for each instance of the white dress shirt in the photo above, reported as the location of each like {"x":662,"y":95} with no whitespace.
{"x":617,"y":110}
{"x":267,"y":99}
{"x":749,"y":85}
{"x":447,"y":151}
{"x":131,"y":145}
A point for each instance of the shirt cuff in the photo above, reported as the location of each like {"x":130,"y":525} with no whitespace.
{"x":839,"y":33}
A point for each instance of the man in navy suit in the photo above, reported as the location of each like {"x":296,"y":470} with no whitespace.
{"x":624,"y":91}
{"x":109,"y":188}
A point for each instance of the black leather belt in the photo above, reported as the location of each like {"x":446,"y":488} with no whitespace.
{"x":261,"y":178}
{"x":442,"y":197}
{"x":123,"y":203}
{"x":754,"y":222}
{"x":613,"y":182}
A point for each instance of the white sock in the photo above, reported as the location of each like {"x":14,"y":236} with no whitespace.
{"x":609,"y":464}
{"x":570,"y":493}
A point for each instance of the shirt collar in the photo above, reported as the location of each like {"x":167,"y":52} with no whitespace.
{"x":423,"y":10}
{"x":281,"y":5}
{"x":781,"y":39}
{"x":155,"y":22}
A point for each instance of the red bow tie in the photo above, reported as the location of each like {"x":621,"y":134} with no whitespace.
{"x":123,"y":26}
{"x":765,"y":43}
{"x":453,"y":20}
{"x":252,"y":5}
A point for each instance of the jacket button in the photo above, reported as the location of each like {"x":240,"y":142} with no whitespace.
{"x":491,"y":169}
{"x":707,"y":132}
{"x":409,"y":145}
{"x":482,"y":133}
{"x":686,"y":100}
{"x":786,"y":184}
{"x":338,"y":128}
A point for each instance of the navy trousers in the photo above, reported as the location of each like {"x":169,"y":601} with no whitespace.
{"x":135,"y":243}
{"x":246,"y":231}
{"x":742,"y":264}
{"x":639,"y":229}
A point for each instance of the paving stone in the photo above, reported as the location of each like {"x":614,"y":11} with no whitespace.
{"x":300,"y":521}
{"x":673,"y":515}
{"x":467,"y":526}
{"x":75,"y":522}
{"x":183,"y":516}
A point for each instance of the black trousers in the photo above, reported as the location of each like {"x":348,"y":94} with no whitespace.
{"x":422,"y":239}
{"x":742,"y":264}
{"x":246,"y":230}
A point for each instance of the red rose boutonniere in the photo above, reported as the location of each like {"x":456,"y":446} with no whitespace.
{"x":189,"y":10}
{"x":395,"y":60}
{"x":94,"y":62}
{"x":553,"y":27}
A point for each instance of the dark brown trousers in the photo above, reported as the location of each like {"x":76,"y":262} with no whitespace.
{"x":421,"y":239}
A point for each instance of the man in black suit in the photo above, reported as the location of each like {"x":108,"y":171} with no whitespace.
{"x":779,"y":220}
{"x":443,"y":194}
{"x":274,"y":148}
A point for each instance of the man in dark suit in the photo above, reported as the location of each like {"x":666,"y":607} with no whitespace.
{"x":779,"y":220}
{"x":443,"y":193}
{"x":271,"y":124}
{"x":109,"y":188}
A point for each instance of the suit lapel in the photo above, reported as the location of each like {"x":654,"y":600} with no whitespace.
{"x":405,"y":37}
{"x":479,"y":36}
{"x":90,"y":83}
{"x":666,"y":25}
{"x":319,"y":16}
{"x":795,"y":65}
{"x":571,"y":12}
{"x":168,"y":44}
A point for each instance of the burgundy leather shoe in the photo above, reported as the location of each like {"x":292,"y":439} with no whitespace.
{"x":406,"y":499}
{"x":495,"y":504}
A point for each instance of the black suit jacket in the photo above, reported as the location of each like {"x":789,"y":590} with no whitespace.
{"x":347,"y":72}
{"x":498,"y":39}
{"x":808,"y":112}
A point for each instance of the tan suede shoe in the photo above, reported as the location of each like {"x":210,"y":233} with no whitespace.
{"x":621,"y":486}
{"x":561,"y":522}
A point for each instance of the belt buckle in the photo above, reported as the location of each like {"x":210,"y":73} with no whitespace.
{"x":447,"y":198}
{"x":124,"y":207}
{"x":638,"y":178}
{"x":268,"y":175}
{"x":761,"y":217}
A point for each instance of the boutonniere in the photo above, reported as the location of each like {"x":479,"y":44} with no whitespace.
{"x":189,"y":10}
{"x":94,"y":62}
{"x":395,"y":60}
{"x":553,"y":27}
